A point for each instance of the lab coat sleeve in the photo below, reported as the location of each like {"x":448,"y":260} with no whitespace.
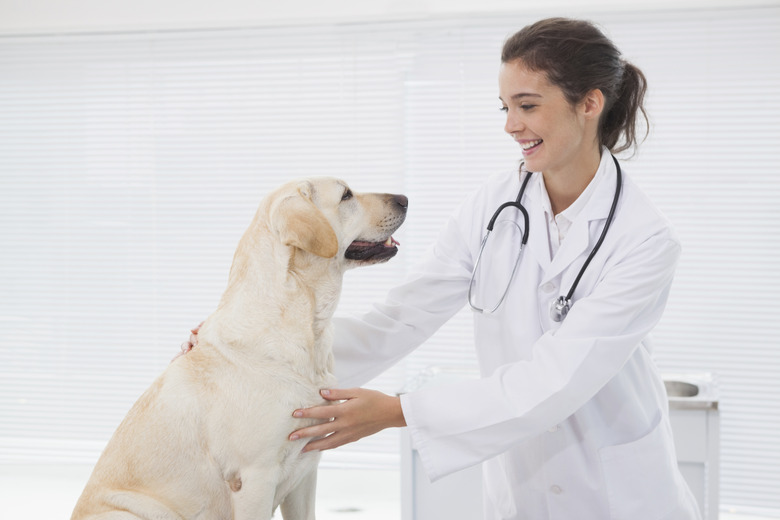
{"x":459,"y":425}
{"x":367,"y":345}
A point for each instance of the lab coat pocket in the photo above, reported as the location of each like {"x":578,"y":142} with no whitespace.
{"x":641,"y":476}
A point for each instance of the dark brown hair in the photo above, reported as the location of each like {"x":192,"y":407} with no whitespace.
{"x":577,"y":58}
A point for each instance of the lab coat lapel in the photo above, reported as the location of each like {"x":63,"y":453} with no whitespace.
{"x":585,"y":229}
{"x":538,"y":244}
{"x":575,"y":243}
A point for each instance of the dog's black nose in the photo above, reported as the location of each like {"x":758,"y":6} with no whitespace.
{"x":401,"y":200}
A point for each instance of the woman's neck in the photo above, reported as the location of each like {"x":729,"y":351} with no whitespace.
{"x":564,"y":186}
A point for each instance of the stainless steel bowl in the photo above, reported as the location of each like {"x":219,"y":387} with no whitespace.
{"x":681,"y":389}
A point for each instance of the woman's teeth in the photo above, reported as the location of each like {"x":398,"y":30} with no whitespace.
{"x":530,"y":144}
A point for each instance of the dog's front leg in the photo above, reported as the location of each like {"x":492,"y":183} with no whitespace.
{"x":253,"y":494}
{"x":299,"y":503}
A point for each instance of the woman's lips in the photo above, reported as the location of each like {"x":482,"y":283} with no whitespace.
{"x":529,"y":146}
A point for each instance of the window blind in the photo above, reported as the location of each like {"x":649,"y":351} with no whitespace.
{"x":711,"y":165}
{"x":130,"y":165}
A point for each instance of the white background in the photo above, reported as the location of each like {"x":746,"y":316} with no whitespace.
{"x":132,"y":158}
{"x":57,"y":16}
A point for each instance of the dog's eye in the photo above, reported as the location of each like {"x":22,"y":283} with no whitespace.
{"x":347,"y":194}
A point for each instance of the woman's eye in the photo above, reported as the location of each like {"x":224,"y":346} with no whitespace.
{"x":521,"y":107}
{"x":347,"y":195}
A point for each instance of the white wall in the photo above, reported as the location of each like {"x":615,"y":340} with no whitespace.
{"x":64,"y":16}
{"x":47,"y":83}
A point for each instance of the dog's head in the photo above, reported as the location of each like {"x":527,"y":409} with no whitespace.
{"x":324,"y":217}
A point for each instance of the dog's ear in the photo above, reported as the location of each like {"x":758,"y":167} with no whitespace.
{"x":299,"y":223}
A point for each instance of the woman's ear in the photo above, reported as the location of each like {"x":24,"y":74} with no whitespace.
{"x":593,"y":104}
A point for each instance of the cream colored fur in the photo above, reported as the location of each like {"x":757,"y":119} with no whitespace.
{"x":209,"y":439}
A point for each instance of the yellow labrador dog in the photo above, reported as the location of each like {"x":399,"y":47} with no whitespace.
{"x":208,"y":440}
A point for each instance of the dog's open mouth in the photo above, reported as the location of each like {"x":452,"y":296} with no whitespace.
{"x":372,"y":251}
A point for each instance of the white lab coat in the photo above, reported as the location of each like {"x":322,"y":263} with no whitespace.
{"x":569,"y":420}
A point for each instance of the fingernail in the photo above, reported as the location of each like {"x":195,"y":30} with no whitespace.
{"x":297,"y":413}
{"x":325,"y":392}
{"x":294,"y":437}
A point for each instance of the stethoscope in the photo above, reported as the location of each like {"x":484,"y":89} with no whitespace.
{"x":560,"y":306}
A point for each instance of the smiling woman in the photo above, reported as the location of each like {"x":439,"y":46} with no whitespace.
{"x":540,"y":371}
{"x":622,"y":84}
{"x":126,"y":159}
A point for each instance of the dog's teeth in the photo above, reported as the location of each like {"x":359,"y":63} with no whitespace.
{"x":389,"y":242}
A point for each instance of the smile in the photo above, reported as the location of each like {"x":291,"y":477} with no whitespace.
{"x":527,"y":145}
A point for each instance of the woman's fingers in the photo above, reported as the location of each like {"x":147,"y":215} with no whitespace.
{"x":340,"y":394}
{"x":323,"y":411}
{"x":327,"y":443}
{"x":318,"y":430}
{"x":190,"y":344}
{"x":361,"y":413}
{"x":327,"y":412}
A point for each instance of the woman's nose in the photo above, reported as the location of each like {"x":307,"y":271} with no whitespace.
{"x":513,"y":123}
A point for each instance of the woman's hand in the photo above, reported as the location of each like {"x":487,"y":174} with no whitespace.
{"x":362,"y":413}
{"x":189,"y":344}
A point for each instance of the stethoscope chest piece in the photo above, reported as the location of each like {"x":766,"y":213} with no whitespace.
{"x":559,"y":308}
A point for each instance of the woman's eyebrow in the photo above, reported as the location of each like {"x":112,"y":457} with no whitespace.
{"x":525,"y":94}
{"x":521,"y":95}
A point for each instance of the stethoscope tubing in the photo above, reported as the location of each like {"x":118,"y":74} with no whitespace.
{"x":562,"y":304}
{"x":618,"y":186}
{"x":523,"y":240}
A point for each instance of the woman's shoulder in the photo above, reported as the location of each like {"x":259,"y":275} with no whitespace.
{"x":495,"y":186}
{"x":640,"y":202}
{"x":478,"y":204}
{"x":502,"y":185}
{"x":641,"y":215}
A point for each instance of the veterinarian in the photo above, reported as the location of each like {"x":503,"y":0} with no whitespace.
{"x":569,"y":418}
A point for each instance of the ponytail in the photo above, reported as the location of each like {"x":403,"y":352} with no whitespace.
{"x":620,"y":121}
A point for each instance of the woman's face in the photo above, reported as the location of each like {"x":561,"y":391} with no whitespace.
{"x":553,"y":134}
